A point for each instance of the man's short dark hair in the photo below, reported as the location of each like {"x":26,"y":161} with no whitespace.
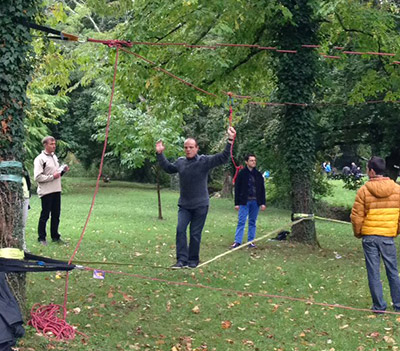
{"x":377,"y":164}
{"x":246,"y":158}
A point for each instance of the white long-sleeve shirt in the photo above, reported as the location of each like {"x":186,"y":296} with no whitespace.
{"x":45,"y":165}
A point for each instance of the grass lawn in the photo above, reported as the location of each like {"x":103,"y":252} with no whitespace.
{"x":340,"y":196}
{"x":132,"y":313}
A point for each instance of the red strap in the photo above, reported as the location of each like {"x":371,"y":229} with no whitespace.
{"x":237,"y":168}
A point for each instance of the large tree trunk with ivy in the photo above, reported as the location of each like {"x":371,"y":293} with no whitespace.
{"x":296,"y":75}
{"x":15,"y":71}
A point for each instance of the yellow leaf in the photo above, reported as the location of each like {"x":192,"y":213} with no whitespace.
{"x":196,"y":309}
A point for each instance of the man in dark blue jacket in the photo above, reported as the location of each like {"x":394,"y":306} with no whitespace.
{"x":249,"y":198}
{"x":194,"y":200}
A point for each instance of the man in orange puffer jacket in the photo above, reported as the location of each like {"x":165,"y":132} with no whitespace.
{"x":375,"y":218}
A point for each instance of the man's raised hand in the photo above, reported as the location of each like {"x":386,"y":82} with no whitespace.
{"x":160,"y":147}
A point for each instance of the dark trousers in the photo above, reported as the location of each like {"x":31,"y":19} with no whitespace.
{"x":196,"y":217}
{"x":5,"y":346}
{"x":51,"y":204}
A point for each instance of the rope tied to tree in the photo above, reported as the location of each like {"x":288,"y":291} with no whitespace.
{"x":237,"y":168}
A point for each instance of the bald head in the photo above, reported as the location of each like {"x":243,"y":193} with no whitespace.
{"x":191,"y":147}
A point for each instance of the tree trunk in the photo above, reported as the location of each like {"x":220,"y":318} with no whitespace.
{"x":227,"y":188}
{"x":296,"y":74}
{"x":15,"y":69}
{"x":302,"y":203}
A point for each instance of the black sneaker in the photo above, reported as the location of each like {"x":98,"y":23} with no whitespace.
{"x":192,"y":265}
{"x":179,"y":265}
{"x":234,"y":245}
{"x":252,"y":246}
{"x":60,"y":242}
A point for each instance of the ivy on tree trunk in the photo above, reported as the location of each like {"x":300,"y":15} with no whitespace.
{"x":15,"y":69}
{"x":296,"y":76}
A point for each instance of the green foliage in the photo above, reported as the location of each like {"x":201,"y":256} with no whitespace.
{"x":364,"y":26}
{"x":351,"y":182}
{"x":15,"y":71}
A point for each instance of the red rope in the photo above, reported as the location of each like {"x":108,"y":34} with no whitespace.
{"x":247,"y":96}
{"x":168,"y":73}
{"x":46,"y":321}
{"x":255,"y":46}
{"x":45,"y":318}
{"x":243,"y":293}
{"x":111,"y":43}
{"x":237,"y":168}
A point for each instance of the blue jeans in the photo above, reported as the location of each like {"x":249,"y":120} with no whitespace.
{"x":250,"y":210}
{"x":376,"y":247}
{"x":196,"y":217}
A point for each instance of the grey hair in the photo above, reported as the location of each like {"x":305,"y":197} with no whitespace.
{"x":48,"y":138}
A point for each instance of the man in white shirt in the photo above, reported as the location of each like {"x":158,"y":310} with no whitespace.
{"x":47,"y":173}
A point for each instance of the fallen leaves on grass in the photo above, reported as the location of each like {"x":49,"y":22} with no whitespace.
{"x":248,"y":342}
{"x":389,"y":339}
{"x":226,"y":324}
{"x":373,"y":335}
{"x":196,"y":309}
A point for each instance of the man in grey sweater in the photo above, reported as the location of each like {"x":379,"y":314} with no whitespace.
{"x":194,"y":200}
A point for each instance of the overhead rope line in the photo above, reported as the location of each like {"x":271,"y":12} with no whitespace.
{"x":130,"y":44}
{"x":64,"y":36}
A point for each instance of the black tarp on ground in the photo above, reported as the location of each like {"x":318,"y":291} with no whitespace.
{"x":10,"y":317}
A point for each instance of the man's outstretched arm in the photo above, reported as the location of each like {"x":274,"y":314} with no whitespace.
{"x":162,"y":160}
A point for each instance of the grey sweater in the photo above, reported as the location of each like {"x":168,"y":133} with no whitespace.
{"x":193,"y":175}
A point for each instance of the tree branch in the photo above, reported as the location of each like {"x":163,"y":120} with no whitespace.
{"x":350,"y":29}
{"x":246,"y":59}
{"x":77,"y":3}
{"x":180,"y":25}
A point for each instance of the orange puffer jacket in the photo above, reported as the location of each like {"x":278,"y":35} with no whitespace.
{"x":377,"y":208}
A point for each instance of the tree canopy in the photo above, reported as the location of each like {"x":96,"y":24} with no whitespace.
{"x":341,"y":58}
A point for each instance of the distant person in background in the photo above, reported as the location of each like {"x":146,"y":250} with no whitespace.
{"x":328,"y":168}
{"x":47,"y":173}
{"x":323,"y":167}
{"x":376,"y":219}
{"x":353,"y":168}
{"x":346,"y":171}
{"x":26,"y":190}
{"x":249,"y":198}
